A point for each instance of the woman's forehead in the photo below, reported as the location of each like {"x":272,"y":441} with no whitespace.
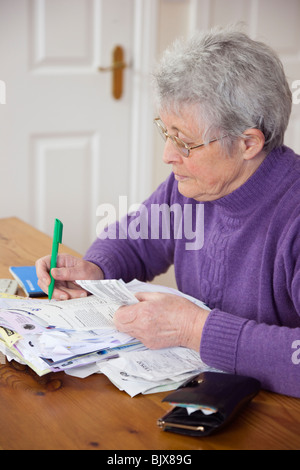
{"x":185,"y":121}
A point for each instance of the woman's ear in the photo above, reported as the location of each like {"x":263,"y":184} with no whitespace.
{"x":252,"y":143}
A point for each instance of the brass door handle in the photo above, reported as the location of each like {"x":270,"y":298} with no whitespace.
{"x":117,"y":67}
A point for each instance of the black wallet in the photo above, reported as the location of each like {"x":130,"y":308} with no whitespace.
{"x":207,"y":402}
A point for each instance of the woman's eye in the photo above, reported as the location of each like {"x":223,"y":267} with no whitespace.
{"x":186,"y":141}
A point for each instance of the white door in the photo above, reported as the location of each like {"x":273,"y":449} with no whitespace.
{"x":65,"y":142}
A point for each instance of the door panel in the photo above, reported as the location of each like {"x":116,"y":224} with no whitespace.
{"x":64,"y":140}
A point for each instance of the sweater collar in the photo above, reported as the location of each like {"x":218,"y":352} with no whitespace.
{"x":267,"y":176}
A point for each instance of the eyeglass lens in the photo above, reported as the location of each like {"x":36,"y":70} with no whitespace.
{"x":179,"y":144}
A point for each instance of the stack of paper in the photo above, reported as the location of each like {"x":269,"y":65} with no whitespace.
{"x":54,"y":336}
{"x":153,"y":371}
{"x":78,"y":336}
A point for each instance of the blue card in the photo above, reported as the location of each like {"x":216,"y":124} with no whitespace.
{"x":27,"y":278}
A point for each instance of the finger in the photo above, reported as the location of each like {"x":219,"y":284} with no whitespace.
{"x":125,"y":315}
{"x":65,"y":293}
{"x":42,"y":270}
{"x":58,"y":294}
{"x":43,"y":285}
{"x":65,"y":260}
{"x":66,"y":274}
{"x":147,"y":296}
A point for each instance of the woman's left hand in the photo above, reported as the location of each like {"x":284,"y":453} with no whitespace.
{"x":162,"y":320}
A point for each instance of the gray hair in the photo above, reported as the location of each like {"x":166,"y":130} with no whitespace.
{"x":235,"y":82}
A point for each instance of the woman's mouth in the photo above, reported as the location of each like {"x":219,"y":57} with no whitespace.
{"x":180,"y":177}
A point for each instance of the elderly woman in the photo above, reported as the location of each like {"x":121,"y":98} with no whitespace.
{"x":224,"y":105}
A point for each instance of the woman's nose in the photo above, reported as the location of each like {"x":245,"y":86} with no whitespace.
{"x":171,"y":153}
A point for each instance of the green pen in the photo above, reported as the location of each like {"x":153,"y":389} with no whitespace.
{"x":57,"y":239}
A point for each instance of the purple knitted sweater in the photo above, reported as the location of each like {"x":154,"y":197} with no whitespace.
{"x":247,"y":271}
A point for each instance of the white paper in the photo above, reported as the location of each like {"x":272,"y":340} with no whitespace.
{"x":88,"y":313}
{"x":19,"y":323}
{"x":153,"y":371}
{"x":79,"y":337}
{"x":156,"y":365}
{"x":139,"y":286}
{"x":81,"y":331}
{"x":110,"y":291}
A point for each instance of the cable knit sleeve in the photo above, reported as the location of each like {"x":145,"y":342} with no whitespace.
{"x":270,"y":353}
{"x":128,"y":248}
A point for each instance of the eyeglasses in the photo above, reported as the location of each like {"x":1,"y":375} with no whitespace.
{"x":183,"y":148}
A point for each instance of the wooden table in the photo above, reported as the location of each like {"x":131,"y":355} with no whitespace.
{"x":62,"y":412}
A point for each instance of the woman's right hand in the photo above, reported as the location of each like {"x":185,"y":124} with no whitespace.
{"x":68,"y":270}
